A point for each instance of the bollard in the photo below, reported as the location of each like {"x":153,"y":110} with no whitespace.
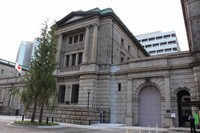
{"x":139,"y":130}
{"x":52,"y":119}
{"x":47,"y":120}
{"x":156,"y":128}
{"x":22,"y":117}
{"x":149,"y":129}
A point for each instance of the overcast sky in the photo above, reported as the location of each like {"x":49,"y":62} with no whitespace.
{"x":22,"y":19}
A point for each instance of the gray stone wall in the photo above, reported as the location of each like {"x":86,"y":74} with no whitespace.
{"x":72,"y":115}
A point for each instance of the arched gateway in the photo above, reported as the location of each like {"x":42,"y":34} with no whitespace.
{"x":150,"y":107}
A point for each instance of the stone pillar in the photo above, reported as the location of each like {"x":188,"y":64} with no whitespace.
{"x":70,"y":60}
{"x":94,"y":44}
{"x":77,"y":58}
{"x":86,"y":45}
{"x":191,"y":12}
{"x":168,"y":120}
{"x":59,"y":49}
{"x":129,"y":102}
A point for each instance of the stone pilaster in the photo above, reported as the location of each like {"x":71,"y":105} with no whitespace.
{"x":192,"y":20}
{"x":168,"y":120}
{"x":167,"y":93}
{"x":85,"y":59}
{"x":196,"y":94}
{"x":94,"y":44}
{"x":129,"y":103}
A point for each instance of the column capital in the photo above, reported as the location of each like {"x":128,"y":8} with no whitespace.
{"x":95,"y":24}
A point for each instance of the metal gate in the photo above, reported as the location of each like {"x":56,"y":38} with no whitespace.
{"x":150,"y":107}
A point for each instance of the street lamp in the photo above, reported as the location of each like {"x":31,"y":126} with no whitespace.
{"x":88,"y":99}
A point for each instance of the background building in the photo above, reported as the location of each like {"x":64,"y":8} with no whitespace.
{"x":24,"y":53}
{"x":159,"y":42}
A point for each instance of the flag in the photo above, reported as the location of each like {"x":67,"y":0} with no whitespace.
{"x":17,"y":66}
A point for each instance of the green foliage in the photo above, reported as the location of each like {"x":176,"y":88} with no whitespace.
{"x":36,"y":123}
{"x":40,"y":81}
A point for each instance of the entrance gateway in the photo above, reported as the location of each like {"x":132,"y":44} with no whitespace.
{"x":150,"y":107}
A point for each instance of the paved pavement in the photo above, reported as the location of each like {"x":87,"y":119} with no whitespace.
{"x":7,"y":126}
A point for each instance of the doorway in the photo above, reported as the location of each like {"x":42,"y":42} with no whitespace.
{"x":150,"y":107}
{"x":183,"y":111}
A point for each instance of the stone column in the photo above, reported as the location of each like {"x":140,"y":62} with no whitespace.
{"x":94,"y":44}
{"x":64,"y":62}
{"x":129,"y":102}
{"x":86,"y":45}
{"x":70,"y":60}
{"x":77,"y":58}
{"x":59,"y":48}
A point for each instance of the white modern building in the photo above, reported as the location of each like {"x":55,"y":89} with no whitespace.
{"x":159,"y":42}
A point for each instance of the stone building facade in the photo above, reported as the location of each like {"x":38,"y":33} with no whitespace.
{"x":102,"y":67}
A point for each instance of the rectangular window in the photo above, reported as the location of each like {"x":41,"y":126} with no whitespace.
{"x":168,"y":50}
{"x":75,"y":38}
{"x":160,"y":51}
{"x":80,"y":55}
{"x":155,"y":45}
{"x":163,"y":43}
{"x":173,"y":35}
{"x":61,"y":94}
{"x":151,"y":39}
{"x":75,"y":93}
{"x":129,"y":48}
{"x":70,"y":40}
{"x":171,"y":42}
{"x":67,"y":60}
{"x":73,"y":59}
{"x":166,"y":36}
{"x":81,"y":38}
{"x":144,"y":40}
{"x":152,"y":52}
{"x":148,"y":46}
{"x":159,"y":37}
{"x":174,"y":49}
{"x":122,"y":59}
{"x":119,"y":86}
{"x":122,"y":42}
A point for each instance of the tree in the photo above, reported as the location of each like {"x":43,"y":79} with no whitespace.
{"x":40,"y":82}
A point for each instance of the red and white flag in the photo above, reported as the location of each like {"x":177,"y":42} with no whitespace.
{"x":17,"y":66}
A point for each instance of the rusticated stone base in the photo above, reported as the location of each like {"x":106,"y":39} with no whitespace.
{"x":73,"y":115}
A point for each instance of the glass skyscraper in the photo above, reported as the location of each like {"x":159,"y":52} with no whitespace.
{"x":25,"y":52}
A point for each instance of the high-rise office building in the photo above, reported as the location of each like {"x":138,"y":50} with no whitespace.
{"x":24,"y":53}
{"x":159,"y":42}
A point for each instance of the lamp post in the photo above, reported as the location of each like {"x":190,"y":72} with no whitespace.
{"x":88,"y":99}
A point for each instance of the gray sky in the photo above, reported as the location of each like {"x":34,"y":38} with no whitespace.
{"x":22,"y":19}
